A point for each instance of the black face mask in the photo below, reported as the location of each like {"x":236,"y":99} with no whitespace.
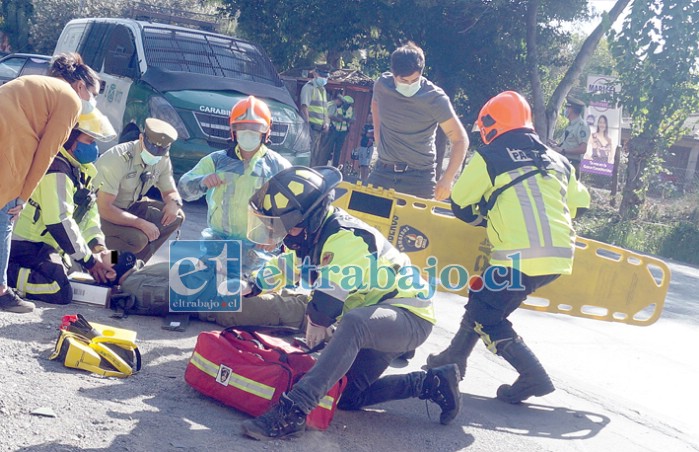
{"x":299,"y":243}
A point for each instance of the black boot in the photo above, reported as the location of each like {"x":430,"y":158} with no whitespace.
{"x":458,"y":351}
{"x":533,"y":379}
{"x":441,"y":385}
{"x":283,"y":419}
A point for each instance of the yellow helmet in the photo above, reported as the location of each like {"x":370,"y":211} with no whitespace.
{"x":96,"y":125}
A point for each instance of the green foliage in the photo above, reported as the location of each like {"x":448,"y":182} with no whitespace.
{"x":34,"y":25}
{"x":474,"y":49}
{"x":15,"y":23}
{"x":669,"y":229}
{"x":656,"y":53}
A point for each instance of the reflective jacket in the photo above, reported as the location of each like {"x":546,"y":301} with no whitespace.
{"x":228,"y":203}
{"x":529,"y":224}
{"x":353,"y":265}
{"x":50,"y":214}
{"x":318,"y":106}
{"x":346,"y":113}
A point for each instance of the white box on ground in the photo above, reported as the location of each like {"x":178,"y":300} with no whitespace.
{"x":86,"y":291}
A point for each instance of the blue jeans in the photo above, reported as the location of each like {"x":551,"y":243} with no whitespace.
{"x":5,"y":237}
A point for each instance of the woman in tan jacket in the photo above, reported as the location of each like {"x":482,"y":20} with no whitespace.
{"x":37,"y":114}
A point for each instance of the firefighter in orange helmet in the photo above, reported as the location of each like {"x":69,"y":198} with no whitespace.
{"x":228,"y":178}
{"x":526,"y":195}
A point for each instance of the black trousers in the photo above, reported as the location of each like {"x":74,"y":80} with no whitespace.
{"x":488,"y":309}
{"x":37,"y":271}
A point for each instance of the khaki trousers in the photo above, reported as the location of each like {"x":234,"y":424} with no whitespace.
{"x":127,"y":238}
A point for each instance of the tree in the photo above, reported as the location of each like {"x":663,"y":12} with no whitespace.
{"x":545,"y":117}
{"x":15,"y":23}
{"x":38,"y":23}
{"x":657,"y":51}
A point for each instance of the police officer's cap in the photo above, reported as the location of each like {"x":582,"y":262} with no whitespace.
{"x":158,"y":136}
{"x":322,"y":70}
{"x":574,"y":101}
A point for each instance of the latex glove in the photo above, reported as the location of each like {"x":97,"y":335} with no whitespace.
{"x":315,"y":334}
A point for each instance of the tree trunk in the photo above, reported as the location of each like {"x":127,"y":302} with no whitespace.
{"x":533,"y":64}
{"x":581,"y":59}
{"x":641,"y":153}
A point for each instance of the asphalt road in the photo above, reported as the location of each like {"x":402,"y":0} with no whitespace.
{"x":619,"y":387}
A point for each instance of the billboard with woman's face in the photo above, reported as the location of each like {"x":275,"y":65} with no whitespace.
{"x":604,"y":119}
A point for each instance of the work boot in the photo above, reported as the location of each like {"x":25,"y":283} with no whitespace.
{"x":283,"y":419}
{"x":441,"y":385}
{"x":10,"y":302}
{"x":533,"y":379}
{"x":458,"y":351}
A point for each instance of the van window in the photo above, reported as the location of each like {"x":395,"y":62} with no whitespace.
{"x":92,"y":44}
{"x":120,"y":58}
{"x":209,"y":54}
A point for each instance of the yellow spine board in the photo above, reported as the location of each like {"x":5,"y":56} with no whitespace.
{"x":608,"y":283}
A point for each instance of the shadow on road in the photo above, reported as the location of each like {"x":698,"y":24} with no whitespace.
{"x":530,"y":419}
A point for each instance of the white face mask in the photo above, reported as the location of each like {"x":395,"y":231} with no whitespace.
{"x":150,"y":159}
{"x":248,"y":140}
{"x":88,"y":105}
{"x":408,"y":89}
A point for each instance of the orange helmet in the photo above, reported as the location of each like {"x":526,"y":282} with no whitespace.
{"x":251,"y":114}
{"x":506,"y":111}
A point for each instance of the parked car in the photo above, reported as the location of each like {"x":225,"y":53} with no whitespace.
{"x":16,"y":64}
{"x":189,"y":78}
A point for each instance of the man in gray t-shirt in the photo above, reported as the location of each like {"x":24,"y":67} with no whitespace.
{"x":407,"y":108}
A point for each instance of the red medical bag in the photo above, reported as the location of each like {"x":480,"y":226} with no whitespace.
{"x":248,"y":370}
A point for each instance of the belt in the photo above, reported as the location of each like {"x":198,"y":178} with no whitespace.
{"x":395,"y":167}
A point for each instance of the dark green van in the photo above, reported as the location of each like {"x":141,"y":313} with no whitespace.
{"x":189,"y":78}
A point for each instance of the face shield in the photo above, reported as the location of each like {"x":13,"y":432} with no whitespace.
{"x":263,"y":229}
{"x":96,"y":125}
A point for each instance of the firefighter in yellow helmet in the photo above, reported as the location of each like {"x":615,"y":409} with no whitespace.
{"x":381,"y":318}
{"x":228,"y":178}
{"x":61,"y":220}
{"x":526,"y":195}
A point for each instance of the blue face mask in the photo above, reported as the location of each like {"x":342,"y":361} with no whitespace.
{"x":321,"y":81}
{"x":85,"y":153}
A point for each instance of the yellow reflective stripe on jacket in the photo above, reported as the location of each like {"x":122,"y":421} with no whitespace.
{"x":318,"y":109}
{"x":530,"y":224}
{"x":54,"y":196}
{"x":347,"y":253}
{"x":342,"y":126}
{"x":237,"y":381}
{"x":227,"y":213}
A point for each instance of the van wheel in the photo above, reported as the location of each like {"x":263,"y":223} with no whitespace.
{"x":129,"y":135}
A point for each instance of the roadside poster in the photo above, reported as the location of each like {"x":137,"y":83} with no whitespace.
{"x":604,"y":119}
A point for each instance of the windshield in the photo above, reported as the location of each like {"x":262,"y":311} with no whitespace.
{"x":209,"y":54}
